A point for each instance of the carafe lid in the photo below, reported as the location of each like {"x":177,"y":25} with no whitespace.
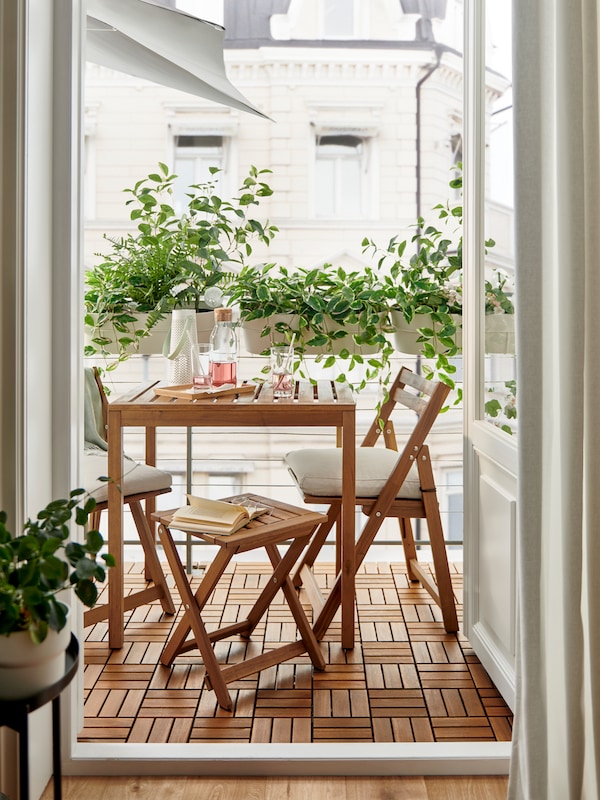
{"x":223,"y":315}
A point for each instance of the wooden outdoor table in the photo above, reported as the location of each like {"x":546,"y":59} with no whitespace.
{"x":325,"y":404}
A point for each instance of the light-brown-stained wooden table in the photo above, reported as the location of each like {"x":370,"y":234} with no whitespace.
{"x":325,"y":404}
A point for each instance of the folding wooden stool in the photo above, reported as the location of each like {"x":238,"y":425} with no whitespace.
{"x":282,"y":523}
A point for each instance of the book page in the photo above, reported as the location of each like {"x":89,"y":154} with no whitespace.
{"x":201,"y":509}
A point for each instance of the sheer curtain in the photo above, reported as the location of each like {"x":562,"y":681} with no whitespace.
{"x":556,"y":738}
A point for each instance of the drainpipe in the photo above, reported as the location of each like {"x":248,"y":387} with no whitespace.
{"x":420,"y":82}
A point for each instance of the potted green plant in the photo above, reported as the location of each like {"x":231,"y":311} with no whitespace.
{"x":339,"y":316}
{"x":37,"y":565}
{"x":171,"y":261}
{"x":425,"y":293}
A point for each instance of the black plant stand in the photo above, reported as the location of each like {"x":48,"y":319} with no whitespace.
{"x":14,"y":714}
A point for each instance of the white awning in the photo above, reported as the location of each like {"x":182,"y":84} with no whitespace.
{"x":164,"y":46}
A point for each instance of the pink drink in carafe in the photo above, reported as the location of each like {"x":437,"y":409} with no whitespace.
{"x":223,"y":372}
{"x":223,"y":349}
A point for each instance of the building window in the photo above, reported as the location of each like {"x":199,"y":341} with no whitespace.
{"x":338,"y":19}
{"x":194,"y":155}
{"x":339,"y":175}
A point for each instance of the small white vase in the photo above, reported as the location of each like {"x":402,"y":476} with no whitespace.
{"x":26,"y":668}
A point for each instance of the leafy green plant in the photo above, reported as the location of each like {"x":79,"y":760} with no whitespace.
{"x":429,"y":282}
{"x":42,"y":561}
{"x":335,"y":310}
{"x":501,"y":408}
{"x":171,"y":259}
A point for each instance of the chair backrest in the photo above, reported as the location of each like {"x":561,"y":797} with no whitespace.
{"x":426,"y":398}
{"x":95,"y":409}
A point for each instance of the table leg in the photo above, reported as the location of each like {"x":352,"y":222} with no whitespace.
{"x":150,"y":502}
{"x":348,"y":513}
{"x":116,"y":578}
{"x":56,"y":765}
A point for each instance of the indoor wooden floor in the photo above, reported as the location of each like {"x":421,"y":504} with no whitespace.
{"x":492,"y":787}
{"x":406,"y":679}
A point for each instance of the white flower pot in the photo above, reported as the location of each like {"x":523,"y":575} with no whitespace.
{"x":499,"y":332}
{"x":255,"y":343}
{"x":405,"y":335}
{"x":26,"y":668}
{"x":153,"y":343}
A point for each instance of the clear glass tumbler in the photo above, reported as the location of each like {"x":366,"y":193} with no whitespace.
{"x":282,"y":371}
{"x":201,"y":377}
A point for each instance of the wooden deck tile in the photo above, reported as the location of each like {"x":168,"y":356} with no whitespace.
{"x":405,"y":680}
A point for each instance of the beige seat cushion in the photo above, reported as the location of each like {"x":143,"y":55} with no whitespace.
{"x":137,"y":478}
{"x":319,"y":472}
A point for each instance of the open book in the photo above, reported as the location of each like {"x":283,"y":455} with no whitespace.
{"x":214,"y":516}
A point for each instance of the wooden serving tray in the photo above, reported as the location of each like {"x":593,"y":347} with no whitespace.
{"x":186,"y":391}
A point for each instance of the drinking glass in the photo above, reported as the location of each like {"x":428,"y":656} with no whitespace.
{"x":281,"y":371}
{"x":201,"y":378}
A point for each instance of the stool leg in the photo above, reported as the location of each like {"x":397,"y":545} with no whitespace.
{"x":175,"y":645}
{"x":193,"y":618}
{"x":306,"y":632}
{"x":275,"y":583}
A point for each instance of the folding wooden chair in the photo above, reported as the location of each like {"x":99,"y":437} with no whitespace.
{"x":140,"y":482}
{"x":388,"y":484}
{"x":282,"y":523}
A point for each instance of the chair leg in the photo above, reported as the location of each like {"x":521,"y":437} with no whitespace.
{"x":153,"y":564}
{"x":334,"y":599}
{"x":408,"y":545}
{"x":94,"y":520}
{"x":445,"y":592}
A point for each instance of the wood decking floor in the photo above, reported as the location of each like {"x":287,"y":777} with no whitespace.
{"x":406,"y":680}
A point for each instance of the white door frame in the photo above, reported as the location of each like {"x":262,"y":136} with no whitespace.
{"x":53,"y":45}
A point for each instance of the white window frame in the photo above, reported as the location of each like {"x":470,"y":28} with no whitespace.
{"x":368,"y":165}
{"x":359,"y":20}
{"x":200,"y":157}
{"x":132,"y":759}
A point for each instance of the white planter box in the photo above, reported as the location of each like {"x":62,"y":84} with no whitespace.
{"x":499,"y":332}
{"x":406,"y":333}
{"x":153,"y":343}
{"x":253,"y":342}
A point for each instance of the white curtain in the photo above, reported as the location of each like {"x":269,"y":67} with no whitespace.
{"x":556,"y":741}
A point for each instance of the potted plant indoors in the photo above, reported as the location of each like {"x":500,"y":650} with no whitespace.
{"x":36,"y":567}
{"x":171,"y":261}
{"x":339,"y":316}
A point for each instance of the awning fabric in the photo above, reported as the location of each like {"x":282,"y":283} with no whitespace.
{"x":162,"y":45}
